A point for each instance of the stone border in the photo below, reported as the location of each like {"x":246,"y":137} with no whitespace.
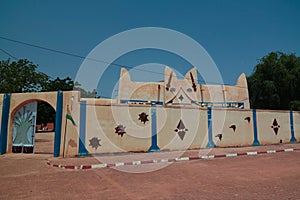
{"x":118,"y":164}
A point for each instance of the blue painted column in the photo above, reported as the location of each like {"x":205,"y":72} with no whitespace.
{"x":4,"y":123}
{"x":255,"y":142}
{"x":293,"y":139}
{"x":58,"y":123}
{"x":154,"y":146}
{"x":211,"y":143}
{"x":82,"y":151}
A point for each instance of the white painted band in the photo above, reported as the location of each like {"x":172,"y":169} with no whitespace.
{"x":231,"y":155}
{"x":251,"y":153}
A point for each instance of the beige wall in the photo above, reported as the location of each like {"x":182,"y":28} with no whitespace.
{"x":104,"y":115}
{"x":297,"y":125}
{"x":172,"y":88}
{"x":70,"y":139}
{"x":222,"y":121}
{"x":194,"y":120}
{"x":265,"y":131}
{"x":102,"y":121}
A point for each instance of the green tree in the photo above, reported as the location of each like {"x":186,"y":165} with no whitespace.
{"x":20,"y":76}
{"x":65,"y":84}
{"x":275,"y":83}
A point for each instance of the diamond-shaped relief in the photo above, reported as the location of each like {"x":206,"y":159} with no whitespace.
{"x":275,"y":126}
{"x":181,"y":98}
{"x":181,"y":129}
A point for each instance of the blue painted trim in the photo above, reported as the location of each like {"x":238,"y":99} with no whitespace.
{"x":82,"y":151}
{"x":255,"y":142}
{"x":4,"y":123}
{"x":239,"y":105}
{"x":293,"y":139}
{"x":211,"y":143}
{"x":154,"y":146}
{"x":58,"y":123}
{"x":141,"y":102}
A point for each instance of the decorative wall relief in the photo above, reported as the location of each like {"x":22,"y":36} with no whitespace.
{"x":120,"y":130}
{"x":181,"y":129}
{"x":24,"y":129}
{"x":248,"y":119}
{"x":181,"y":98}
{"x":168,"y":85}
{"x":95,"y":142}
{"x":23,"y":122}
{"x":233,"y":127}
{"x":143,"y":117}
{"x":275,"y":126}
{"x":219,"y":136}
{"x":194,"y":86}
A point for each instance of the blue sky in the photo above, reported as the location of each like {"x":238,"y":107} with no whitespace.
{"x":235,"y":33}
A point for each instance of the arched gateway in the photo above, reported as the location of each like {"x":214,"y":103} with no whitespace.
{"x":18,"y":120}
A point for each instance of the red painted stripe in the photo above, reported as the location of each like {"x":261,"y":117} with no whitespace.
{"x":55,"y":165}
{"x":242,"y":154}
{"x":220,"y":156}
{"x":86,"y":166}
{"x":280,"y":150}
{"x":262,"y":152}
{"x":111,"y":165}
{"x":171,"y":160}
{"x":194,"y":158}
{"x":69,"y":167}
{"x":128,"y":163}
{"x":147,"y":161}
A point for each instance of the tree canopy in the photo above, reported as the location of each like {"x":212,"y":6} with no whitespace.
{"x":275,"y":82}
{"x":20,"y":76}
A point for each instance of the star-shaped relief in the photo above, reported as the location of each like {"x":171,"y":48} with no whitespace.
{"x":120,"y":130}
{"x":143,"y":117}
{"x":95,"y":142}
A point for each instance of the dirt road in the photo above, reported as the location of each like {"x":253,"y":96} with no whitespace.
{"x":267,"y":176}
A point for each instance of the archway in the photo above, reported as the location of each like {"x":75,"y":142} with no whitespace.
{"x":33,"y":127}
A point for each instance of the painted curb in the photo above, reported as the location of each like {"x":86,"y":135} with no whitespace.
{"x":118,"y":164}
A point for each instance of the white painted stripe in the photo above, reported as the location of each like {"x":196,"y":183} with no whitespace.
{"x":164,"y":160}
{"x":271,"y":151}
{"x":61,"y":166}
{"x":119,"y":164}
{"x":136,"y":162}
{"x":155,"y":161}
{"x":231,"y":155}
{"x":250,"y":153}
{"x":207,"y":157}
{"x":76,"y":167}
{"x":95,"y":166}
{"x":182,"y":158}
{"x":288,"y":150}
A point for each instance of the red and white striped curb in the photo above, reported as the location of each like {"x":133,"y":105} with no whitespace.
{"x":118,"y":164}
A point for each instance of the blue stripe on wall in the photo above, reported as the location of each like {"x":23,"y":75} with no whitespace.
{"x":211,"y":143}
{"x":293,"y":139}
{"x":82,"y":151}
{"x":4,"y":123}
{"x":255,"y":142}
{"x":58,"y":123}
{"x":154,"y":146}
